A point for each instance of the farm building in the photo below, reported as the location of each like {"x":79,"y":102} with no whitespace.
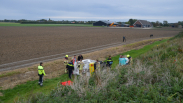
{"x":173,"y":25}
{"x":104,"y":23}
{"x":179,"y":26}
{"x":142,"y":24}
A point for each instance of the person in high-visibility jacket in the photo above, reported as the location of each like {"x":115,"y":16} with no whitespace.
{"x":66,"y":62}
{"x":130,"y":59}
{"x":109,"y":61}
{"x":80,"y":65}
{"x":70,"y":68}
{"x":41,"y":73}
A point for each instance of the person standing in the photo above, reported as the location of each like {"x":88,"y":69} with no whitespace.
{"x":41,"y":73}
{"x":122,"y":61}
{"x":66,"y":62}
{"x":124,"y":38}
{"x":74,"y":59}
{"x":80,"y":57}
{"x":70,"y":68}
{"x":80,"y":65}
{"x":97,"y":65}
{"x":109,"y":62}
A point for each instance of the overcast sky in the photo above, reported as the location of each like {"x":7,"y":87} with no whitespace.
{"x":114,"y":10}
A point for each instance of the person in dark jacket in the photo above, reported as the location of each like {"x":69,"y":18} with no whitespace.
{"x":80,"y":57}
{"x":124,"y":38}
{"x":109,"y":61}
{"x":70,"y":68}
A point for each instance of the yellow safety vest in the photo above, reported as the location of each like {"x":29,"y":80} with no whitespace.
{"x":41,"y":70}
{"x":71,"y":65}
{"x":81,"y":65}
{"x":109,"y":60}
{"x":65,"y":62}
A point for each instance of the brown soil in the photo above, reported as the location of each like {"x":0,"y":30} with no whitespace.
{"x":56,"y":68}
{"x":21,"y":43}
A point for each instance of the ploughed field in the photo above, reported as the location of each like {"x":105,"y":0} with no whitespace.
{"x":22,"y":43}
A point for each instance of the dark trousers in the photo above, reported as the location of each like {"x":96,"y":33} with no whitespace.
{"x":124,"y":39}
{"x":70,"y":73}
{"x":40,"y":79}
{"x":108,"y":65}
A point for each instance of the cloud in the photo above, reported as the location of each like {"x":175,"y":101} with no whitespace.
{"x":118,"y":10}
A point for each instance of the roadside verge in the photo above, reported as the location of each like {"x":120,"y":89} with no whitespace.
{"x":29,"y":88}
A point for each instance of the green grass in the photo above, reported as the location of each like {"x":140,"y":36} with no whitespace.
{"x":8,"y":74}
{"x":44,"y":25}
{"x":136,"y":53}
{"x":31,"y":87}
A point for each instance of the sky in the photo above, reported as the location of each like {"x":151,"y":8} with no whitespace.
{"x":113,"y":10}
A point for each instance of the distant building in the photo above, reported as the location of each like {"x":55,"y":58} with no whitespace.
{"x":104,"y":23}
{"x":179,"y":26}
{"x":142,"y":24}
{"x":173,"y":25}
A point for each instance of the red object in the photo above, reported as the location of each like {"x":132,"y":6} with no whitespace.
{"x":74,"y":60}
{"x":66,"y":83}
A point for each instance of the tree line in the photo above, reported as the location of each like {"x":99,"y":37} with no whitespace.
{"x":44,"y":21}
{"x":130,"y":22}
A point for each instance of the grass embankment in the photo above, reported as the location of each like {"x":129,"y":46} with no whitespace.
{"x":153,"y":77}
{"x":32,"y":87}
{"x":136,"y":53}
{"x":43,"y":25}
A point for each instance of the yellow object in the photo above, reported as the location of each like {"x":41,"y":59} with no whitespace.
{"x":66,"y":56}
{"x":41,"y":70}
{"x":66,"y":62}
{"x":111,"y":24}
{"x":128,"y":55}
{"x":81,"y":65}
{"x":91,"y":68}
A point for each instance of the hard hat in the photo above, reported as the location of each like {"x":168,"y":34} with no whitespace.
{"x":66,"y":56}
{"x":128,"y":55}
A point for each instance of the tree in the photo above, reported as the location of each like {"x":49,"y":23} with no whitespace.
{"x":157,"y":23}
{"x":154,"y":24}
{"x":180,"y":23}
{"x":127,"y":22}
{"x":165,"y":23}
{"x":132,"y":21}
